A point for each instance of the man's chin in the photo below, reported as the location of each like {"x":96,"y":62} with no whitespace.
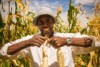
{"x":46,"y":32}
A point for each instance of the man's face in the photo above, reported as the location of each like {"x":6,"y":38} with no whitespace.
{"x":45,"y":24}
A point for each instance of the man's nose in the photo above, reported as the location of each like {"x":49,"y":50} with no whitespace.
{"x":45,"y":24}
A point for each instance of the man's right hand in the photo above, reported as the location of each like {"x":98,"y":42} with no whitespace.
{"x":37,"y":40}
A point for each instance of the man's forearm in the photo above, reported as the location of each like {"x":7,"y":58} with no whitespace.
{"x":83,"y":42}
{"x":17,"y":47}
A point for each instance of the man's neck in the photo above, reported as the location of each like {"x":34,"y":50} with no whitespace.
{"x":49,"y":34}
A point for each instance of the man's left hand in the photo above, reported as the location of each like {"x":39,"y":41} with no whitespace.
{"x":57,"y":41}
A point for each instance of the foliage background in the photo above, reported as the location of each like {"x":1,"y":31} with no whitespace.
{"x":11,"y":30}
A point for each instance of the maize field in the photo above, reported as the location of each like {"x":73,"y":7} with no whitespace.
{"x":11,"y":30}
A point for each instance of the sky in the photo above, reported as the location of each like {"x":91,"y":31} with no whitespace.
{"x":51,"y":5}
{"x":88,"y":7}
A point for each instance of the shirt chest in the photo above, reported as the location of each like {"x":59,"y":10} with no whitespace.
{"x":52,"y":55}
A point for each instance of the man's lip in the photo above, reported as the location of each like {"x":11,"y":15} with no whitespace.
{"x":46,"y":27}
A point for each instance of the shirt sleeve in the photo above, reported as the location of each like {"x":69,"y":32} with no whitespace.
{"x":83,"y":50}
{"x":3,"y":50}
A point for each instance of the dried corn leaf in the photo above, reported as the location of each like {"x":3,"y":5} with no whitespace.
{"x":21,"y":5}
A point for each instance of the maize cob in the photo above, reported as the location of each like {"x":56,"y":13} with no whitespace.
{"x":60,"y":58}
{"x":44,"y":62}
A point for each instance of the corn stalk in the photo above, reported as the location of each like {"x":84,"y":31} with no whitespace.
{"x":94,"y":30}
{"x":72,"y":17}
{"x":11,"y":30}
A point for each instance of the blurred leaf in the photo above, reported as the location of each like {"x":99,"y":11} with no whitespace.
{"x":0,"y":1}
{"x":85,"y":58}
{"x":84,"y":30}
{"x":2,"y":24}
{"x":26,"y":64}
{"x":5,"y":63}
{"x":20,"y":4}
{"x":94,"y":26}
{"x":31,"y":14}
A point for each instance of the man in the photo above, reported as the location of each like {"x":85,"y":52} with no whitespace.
{"x":70,"y":44}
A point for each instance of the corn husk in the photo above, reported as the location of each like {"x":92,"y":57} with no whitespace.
{"x":60,"y":58}
{"x":44,"y":62}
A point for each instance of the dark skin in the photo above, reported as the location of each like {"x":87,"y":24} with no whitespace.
{"x":45,"y":25}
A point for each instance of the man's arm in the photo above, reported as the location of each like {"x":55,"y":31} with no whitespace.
{"x":34,"y":41}
{"x":77,"y":40}
{"x":81,"y":50}
{"x":4,"y":49}
{"x":81,"y":42}
{"x":18,"y":46}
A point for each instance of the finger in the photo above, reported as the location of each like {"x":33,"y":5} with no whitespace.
{"x":57,"y":42}
{"x":40,"y":43}
{"x":43,"y":38}
{"x":55,"y":38}
{"x":40,"y":40}
{"x":55,"y":46}
{"x":50,"y":40}
{"x":58,"y":45}
{"x":36,"y":44}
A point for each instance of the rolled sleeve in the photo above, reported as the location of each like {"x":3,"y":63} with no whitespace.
{"x":3,"y":50}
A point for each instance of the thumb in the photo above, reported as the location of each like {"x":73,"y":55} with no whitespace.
{"x":50,"y":40}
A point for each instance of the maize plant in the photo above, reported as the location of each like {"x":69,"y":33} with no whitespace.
{"x":72,"y":17}
{"x":94,"y":30}
{"x":19,"y":25}
{"x":90,"y":59}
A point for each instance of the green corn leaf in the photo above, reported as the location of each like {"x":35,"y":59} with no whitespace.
{"x":2,"y":24}
{"x":5,"y":63}
{"x":84,"y":30}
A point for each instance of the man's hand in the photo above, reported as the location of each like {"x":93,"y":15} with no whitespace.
{"x":57,"y":41}
{"x":37,"y":40}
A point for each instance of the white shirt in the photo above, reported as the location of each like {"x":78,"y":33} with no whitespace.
{"x":36,"y":52}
